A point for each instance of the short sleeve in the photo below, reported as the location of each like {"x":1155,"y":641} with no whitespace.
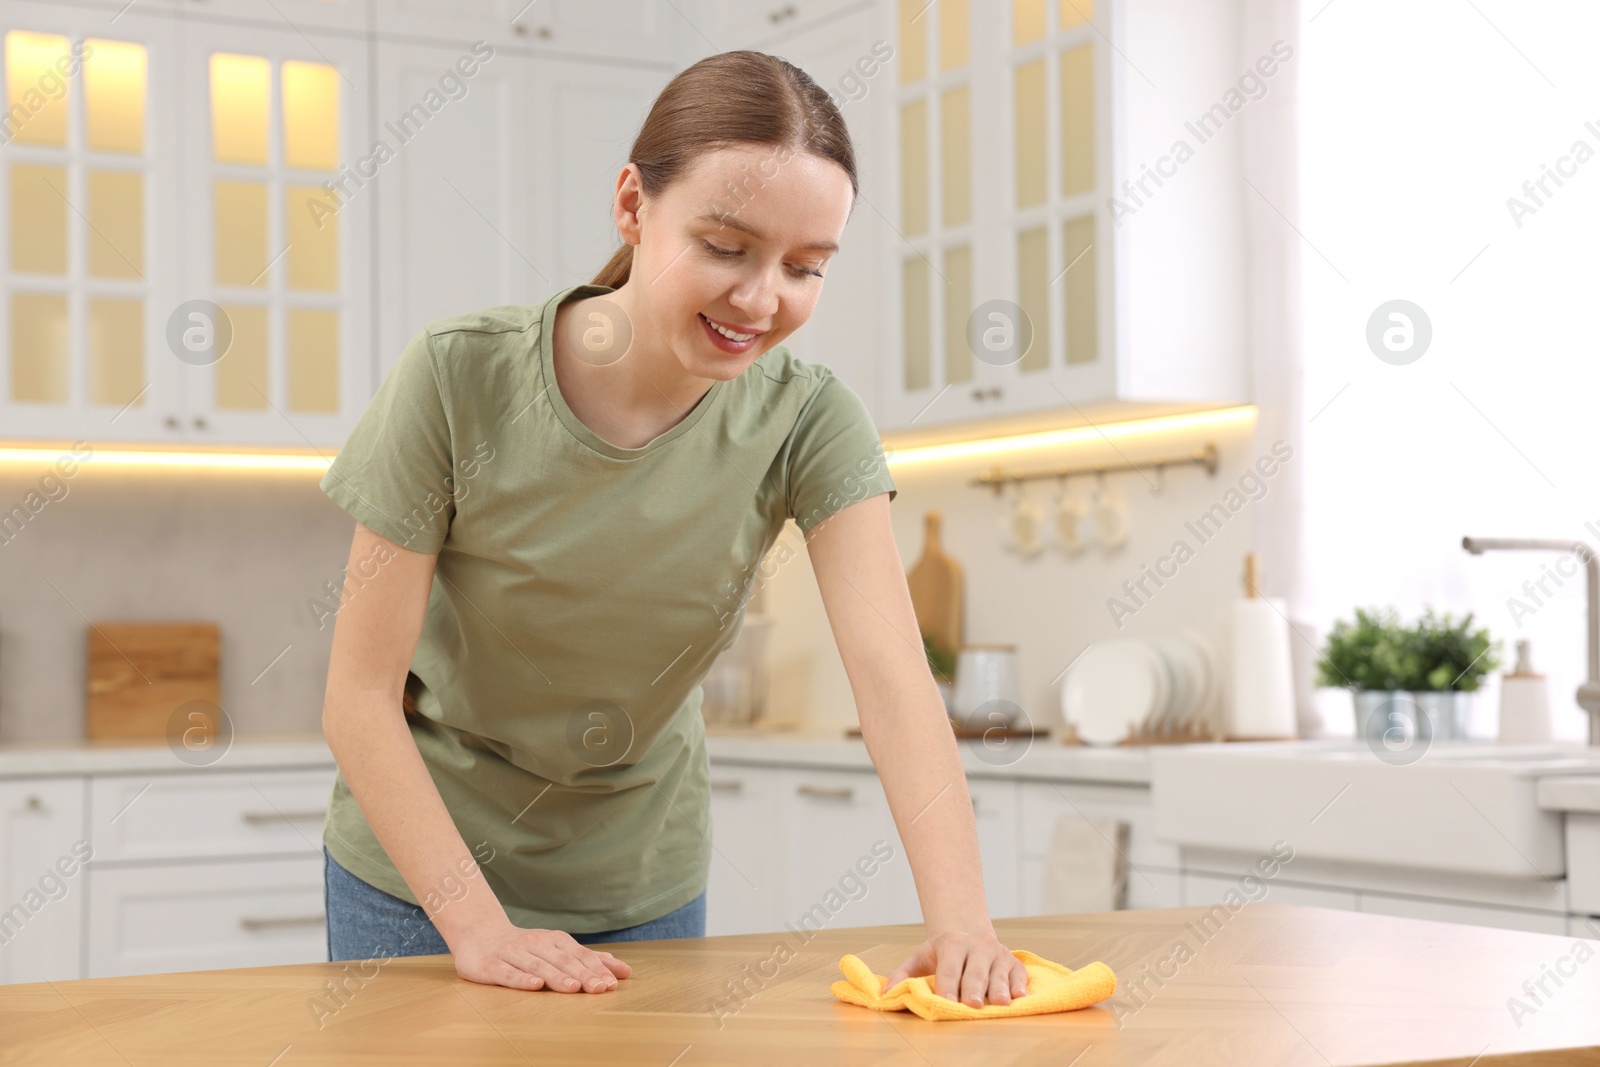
{"x":835,"y":455}
{"x":393,"y":473}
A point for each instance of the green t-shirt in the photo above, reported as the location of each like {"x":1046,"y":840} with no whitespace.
{"x":581,"y":593}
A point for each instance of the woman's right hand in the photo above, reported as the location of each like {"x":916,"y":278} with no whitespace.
{"x":511,"y":956}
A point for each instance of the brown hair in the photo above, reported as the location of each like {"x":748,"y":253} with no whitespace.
{"x":739,"y":97}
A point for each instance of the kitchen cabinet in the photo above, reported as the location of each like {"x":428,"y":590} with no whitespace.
{"x":650,"y":30}
{"x":42,"y":879}
{"x":1200,"y":888}
{"x":455,"y":211}
{"x":744,"y":890}
{"x":767,"y":24}
{"x":589,"y":113}
{"x":91,"y":225}
{"x":112,"y":874}
{"x":277,"y":157}
{"x":1016,"y":283}
{"x":346,"y":15}
{"x":1152,"y":866}
{"x":1536,"y":922}
{"x":845,"y":55}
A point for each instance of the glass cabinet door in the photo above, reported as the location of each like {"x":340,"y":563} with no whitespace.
{"x":86,"y":188}
{"x":280,"y":174}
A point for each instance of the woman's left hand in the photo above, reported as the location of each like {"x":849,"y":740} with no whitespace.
{"x":975,"y":967}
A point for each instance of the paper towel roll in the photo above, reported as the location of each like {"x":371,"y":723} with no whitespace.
{"x":1261,"y":703}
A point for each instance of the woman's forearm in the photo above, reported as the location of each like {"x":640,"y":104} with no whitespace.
{"x":378,"y":757}
{"x":908,"y":735}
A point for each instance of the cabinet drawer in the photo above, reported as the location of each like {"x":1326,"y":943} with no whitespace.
{"x":196,"y":917}
{"x":204,"y":815}
{"x":1214,"y":889}
{"x":1045,"y":802}
{"x":744,"y":892}
{"x":1533,"y":922}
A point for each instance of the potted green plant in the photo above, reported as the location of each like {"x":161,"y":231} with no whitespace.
{"x":1435,"y":664}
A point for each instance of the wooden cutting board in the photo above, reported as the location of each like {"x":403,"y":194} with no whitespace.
{"x":140,"y":673}
{"x":935,"y":583}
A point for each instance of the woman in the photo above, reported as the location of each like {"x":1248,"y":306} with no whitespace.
{"x":593,"y":482}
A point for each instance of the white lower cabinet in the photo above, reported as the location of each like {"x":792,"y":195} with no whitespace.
{"x":194,"y":917}
{"x":107,"y":875}
{"x":1534,"y":922}
{"x":1200,"y":889}
{"x":42,"y":879}
{"x":744,"y":892}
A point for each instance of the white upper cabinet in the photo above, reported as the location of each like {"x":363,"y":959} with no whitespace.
{"x":762,"y":24}
{"x":1013,"y":286}
{"x":590,"y":114}
{"x":295,"y":15}
{"x":456,"y":202}
{"x":849,"y":58}
{"x":278,"y":166}
{"x":89,"y":226}
{"x":608,"y":29}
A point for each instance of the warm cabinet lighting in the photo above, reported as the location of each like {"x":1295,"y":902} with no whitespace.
{"x":240,"y":87}
{"x":114,"y":91}
{"x":133,"y":457}
{"x":1188,"y":422}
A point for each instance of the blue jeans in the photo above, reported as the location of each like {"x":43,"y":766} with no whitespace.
{"x":366,"y":923}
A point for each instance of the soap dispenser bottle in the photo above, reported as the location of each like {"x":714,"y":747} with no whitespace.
{"x":1524,"y":702}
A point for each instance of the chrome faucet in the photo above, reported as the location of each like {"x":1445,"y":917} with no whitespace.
{"x":1589,"y":690}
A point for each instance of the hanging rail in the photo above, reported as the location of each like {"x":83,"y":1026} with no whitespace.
{"x":1205,"y":456}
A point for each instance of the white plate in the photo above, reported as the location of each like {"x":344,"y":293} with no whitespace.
{"x":1116,"y":685}
{"x":1189,"y":659}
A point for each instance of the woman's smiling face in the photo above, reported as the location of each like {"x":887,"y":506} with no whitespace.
{"x":741,"y":240}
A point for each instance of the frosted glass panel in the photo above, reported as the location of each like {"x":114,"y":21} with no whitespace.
{"x":313,"y":239}
{"x":240,"y":86}
{"x":914,"y":167}
{"x":310,"y":115}
{"x":39,"y":348}
{"x":1033,"y":294}
{"x":955,"y":155}
{"x":243,"y":370}
{"x":1030,"y":134}
{"x":1079,"y":252}
{"x":38,"y":218}
{"x":1076,"y":13}
{"x":116,"y":218}
{"x":957,"y":308}
{"x":913,"y":51}
{"x":915,"y":326}
{"x":114,"y":79}
{"x":954,"y":43}
{"x":1027,"y":20}
{"x":240,"y":233}
{"x":1077,"y":121}
{"x":36,"y":93}
{"x":313,"y":360}
{"x":116,"y":350}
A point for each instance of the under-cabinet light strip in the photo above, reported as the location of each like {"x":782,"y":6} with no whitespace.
{"x":1076,"y":435}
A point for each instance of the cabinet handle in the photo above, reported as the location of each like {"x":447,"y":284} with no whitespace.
{"x":784,"y":12}
{"x":172,"y":422}
{"x":733,"y":785}
{"x":281,"y":920}
{"x":545,"y":33}
{"x":519,"y":29}
{"x":33,"y":803}
{"x":992,"y":393}
{"x":842,"y":792}
{"x":199,"y":422}
{"x":257,"y":817}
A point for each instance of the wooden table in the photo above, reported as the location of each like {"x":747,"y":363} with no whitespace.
{"x":1268,"y":984}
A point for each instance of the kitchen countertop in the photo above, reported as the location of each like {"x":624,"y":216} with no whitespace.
{"x":1575,"y":793}
{"x":1044,"y":757}
{"x":1267,"y":984}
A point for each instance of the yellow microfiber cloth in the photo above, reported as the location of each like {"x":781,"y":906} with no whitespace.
{"x":1051,"y":987}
